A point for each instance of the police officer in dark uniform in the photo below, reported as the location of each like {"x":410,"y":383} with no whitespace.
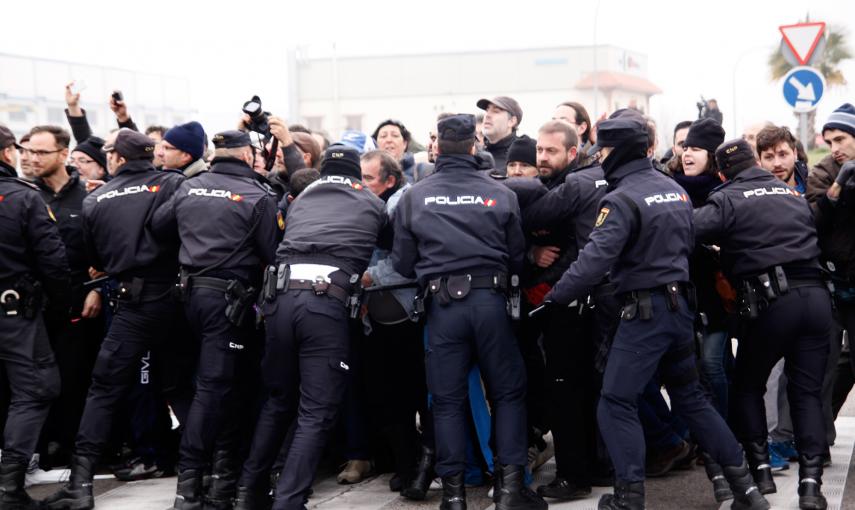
{"x":224,"y":255}
{"x":571,"y":207}
{"x":459,"y":233}
{"x":120,"y":241}
{"x":332,"y":229}
{"x":769,"y":251}
{"x":32,"y":264}
{"x":643,"y":236}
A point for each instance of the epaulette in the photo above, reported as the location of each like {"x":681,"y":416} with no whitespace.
{"x":720,"y":186}
{"x":264,"y":187}
{"x":24,"y":182}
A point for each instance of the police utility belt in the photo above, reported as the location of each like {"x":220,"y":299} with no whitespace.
{"x":278,"y":280}
{"x":756,"y":293}
{"x":446,"y":289}
{"x":20,"y":298}
{"x":639,"y":303}
{"x":239,"y":297}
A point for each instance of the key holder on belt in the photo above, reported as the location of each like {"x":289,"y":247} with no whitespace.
{"x":320,"y":285}
{"x":10,"y":300}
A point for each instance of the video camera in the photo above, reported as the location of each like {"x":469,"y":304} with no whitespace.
{"x":257,"y":116}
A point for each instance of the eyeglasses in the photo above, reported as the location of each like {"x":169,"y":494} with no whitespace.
{"x":40,"y":153}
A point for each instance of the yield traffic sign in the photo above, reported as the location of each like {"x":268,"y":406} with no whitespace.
{"x":802,"y":39}
{"x":803,"y":88}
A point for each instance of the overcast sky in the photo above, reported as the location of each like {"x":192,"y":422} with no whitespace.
{"x":231,"y":50}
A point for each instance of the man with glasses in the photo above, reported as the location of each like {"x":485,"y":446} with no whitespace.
{"x":182,"y":149}
{"x":61,"y":188}
{"x":90,"y":162}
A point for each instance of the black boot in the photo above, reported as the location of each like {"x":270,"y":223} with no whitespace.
{"x":721,"y":489}
{"x":224,"y":477}
{"x":418,"y":487}
{"x":627,"y":496}
{"x":77,"y":493}
{"x":12,"y":493}
{"x":758,"y":460}
{"x":250,"y":499}
{"x":453,"y":493}
{"x":497,"y":481}
{"x":810,"y":483}
{"x":746,"y":496}
{"x":513,"y":493}
{"x":188,"y":496}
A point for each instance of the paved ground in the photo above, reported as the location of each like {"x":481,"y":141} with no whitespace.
{"x":680,"y":491}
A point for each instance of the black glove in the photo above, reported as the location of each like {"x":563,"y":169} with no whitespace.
{"x":847,"y":171}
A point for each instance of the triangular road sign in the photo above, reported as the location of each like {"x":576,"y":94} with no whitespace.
{"x":802,"y":39}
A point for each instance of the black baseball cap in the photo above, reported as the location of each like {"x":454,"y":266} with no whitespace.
{"x":131,"y":144}
{"x":7,"y":138}
{"x":231,"y":139}
{"x":456,"y":128}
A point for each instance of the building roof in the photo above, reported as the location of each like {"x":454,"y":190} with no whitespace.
{"x":611,"y":80}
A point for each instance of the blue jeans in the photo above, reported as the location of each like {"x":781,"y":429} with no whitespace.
{"x":713,"y":361}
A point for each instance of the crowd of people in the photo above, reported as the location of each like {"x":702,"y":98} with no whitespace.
{"x":235,"y":309}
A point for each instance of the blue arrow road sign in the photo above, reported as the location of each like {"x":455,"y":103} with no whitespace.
{"x":803,"y":88}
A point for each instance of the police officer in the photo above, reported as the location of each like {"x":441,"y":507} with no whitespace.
{"x":568,"y":337}
{"x":643,"y":235}
{"x":769,"y":251}
{"x":459,"y":233}
{"x":120,"y":241}
{"x":32,"y":263}
{"x":222,"y":256}
{"x":333,"y":226}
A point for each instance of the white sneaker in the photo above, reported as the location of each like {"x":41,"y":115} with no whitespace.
{"x":38,"y":476}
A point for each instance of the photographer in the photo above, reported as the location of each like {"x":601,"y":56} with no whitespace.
{"x":708,"y":109}
{"x":275,"y":129}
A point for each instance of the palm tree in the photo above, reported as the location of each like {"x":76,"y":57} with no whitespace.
{"x":836,"y":51}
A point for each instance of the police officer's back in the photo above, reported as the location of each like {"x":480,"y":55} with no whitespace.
{"x":459,"y":233}
{"x":227,"y":222}
{"x":643,"y":236}
{"x":769,"y":251}
{"x":117,"y":221}
{"x":32,"y":264}
{"x":330,"y":235}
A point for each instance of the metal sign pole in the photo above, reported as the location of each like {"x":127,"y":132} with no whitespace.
{"x":803,"y":129}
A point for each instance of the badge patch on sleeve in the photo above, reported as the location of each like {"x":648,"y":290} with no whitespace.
{"x":280,"y":221}
{"x":601,"y":218}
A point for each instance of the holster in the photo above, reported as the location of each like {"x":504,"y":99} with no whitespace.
{"x":128,"y":291}
{"x":749,"y":304}
{"x":239,"y":299}
{"x":637,"y":303}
